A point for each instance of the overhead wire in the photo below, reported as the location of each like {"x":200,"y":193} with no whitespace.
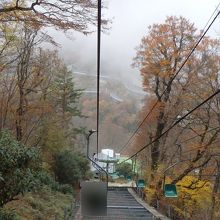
{"x":195,"y":136}
{"x":98,"y":70}
{"x":211,"y":16}
{"x":191,"y":138}
{"x":175,"y":75}
{"x":194,"y":149}
{"x":185,"y":160}
{"x":199,"y":135}
{"x":173,"y":125}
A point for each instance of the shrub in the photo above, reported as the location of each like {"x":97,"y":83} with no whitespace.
{"x":44,"y":178}
{"x":18,"y":169}
{"x":65,"y":189}
{"x":124,"y":169}
{"x":70,"y":167}
{"x":7,"y":215}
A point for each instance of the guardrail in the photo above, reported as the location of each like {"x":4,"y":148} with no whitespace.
{"x":141,"y":198}
{"x":161,"y":207}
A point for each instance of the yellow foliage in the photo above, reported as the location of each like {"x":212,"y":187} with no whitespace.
{"x":150,"y":193}
{"x":194,"y":196}
{"x":199,"y":194}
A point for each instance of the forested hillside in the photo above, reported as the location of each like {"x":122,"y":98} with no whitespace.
{"x":118,"y":109}
{"x":39,"y":101}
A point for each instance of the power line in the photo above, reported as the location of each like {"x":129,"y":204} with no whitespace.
{"x":172,"y":126}
{"x":171,"y":81}
{"x":98,"y":69}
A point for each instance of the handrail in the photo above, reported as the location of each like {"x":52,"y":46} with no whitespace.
{"x":97,"y":166}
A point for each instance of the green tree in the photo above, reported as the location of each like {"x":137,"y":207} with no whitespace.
{"x":65,"y":96}
{"x":58,"y":130}
{"x":70,"y":167}
{"x":125,"y":169}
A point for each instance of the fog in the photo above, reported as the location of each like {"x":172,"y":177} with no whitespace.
{"x":130,"y":19}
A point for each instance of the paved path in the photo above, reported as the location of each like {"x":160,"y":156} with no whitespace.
{"x":127,"y":184}
{"x":121,"y":205}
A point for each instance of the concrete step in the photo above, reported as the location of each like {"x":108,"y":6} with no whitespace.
{"x":121,"y":205}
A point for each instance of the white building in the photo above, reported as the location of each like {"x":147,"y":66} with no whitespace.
{"x":106,"y":160}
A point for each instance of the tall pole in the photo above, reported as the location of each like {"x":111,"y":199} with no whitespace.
{"x":98,"y":68}
{"x":88,"y":138}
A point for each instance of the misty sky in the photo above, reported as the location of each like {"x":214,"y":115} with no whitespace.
{"x":130,"y":21}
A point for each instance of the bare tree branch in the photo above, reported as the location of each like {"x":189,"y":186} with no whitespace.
{"x":78,"y":15}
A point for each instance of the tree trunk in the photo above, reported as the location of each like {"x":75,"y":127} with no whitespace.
{"x":155,"y":151}
{"x":215,"y":191}
{"x":19,"y":113}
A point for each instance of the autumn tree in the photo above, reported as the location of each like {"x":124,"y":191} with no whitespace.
{"x":159,"y":56}
{"x":63,"y":15}
{"x":19,"y":76}
{"x":204,"y":122}
{"x":38,"y":98}
{"x":34,"y":84}
{"x":193,"y":144}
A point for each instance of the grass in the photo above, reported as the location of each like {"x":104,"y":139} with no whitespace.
{"x":42,"y":205}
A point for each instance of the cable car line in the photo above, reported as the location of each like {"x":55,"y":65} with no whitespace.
{"x":201,"y":147}
{"x":172,"y":126}
{"x":189,"y":139}
{"x":211,"y":16}
{"x":195,"y":136}
{"x":199,"y":135}
{"x":197,"y":148}
{"x":194,"y":149}
{"x":171,"y":81}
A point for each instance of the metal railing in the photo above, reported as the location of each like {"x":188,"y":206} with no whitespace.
{"x":94,"y":163}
